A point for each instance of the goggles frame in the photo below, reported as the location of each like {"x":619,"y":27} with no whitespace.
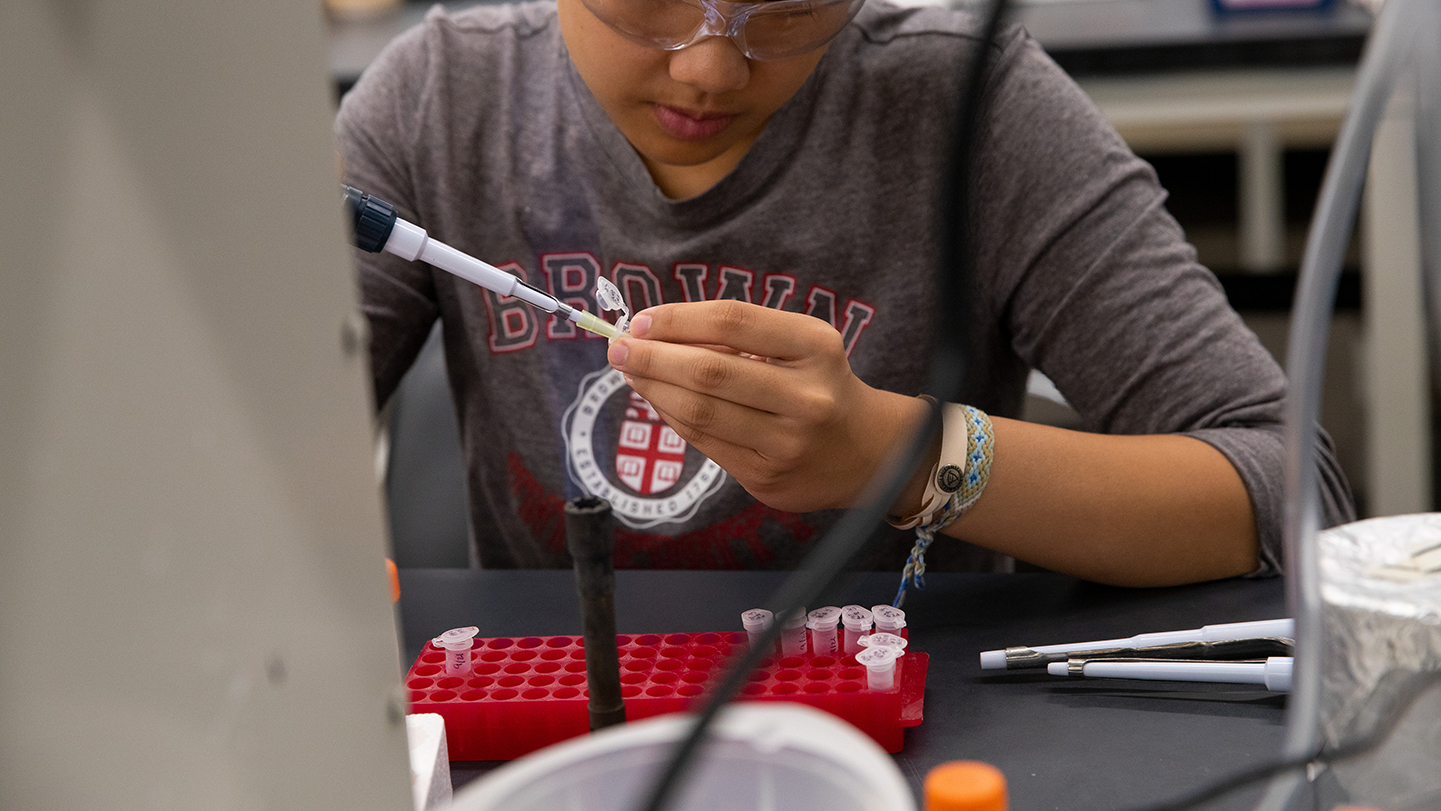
{"x":723,"y":18}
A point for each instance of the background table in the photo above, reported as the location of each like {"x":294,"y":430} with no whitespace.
{"x":1073,"y":744}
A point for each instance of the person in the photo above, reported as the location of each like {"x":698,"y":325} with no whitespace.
{"x":764,"y":191}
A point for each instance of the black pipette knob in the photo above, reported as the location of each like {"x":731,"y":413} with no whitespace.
{"x":372,"y":218}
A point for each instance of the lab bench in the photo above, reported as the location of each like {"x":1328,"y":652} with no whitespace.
{"x":1062,"y":743}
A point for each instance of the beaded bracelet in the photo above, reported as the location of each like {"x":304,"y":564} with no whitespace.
{"x":980,"y":445}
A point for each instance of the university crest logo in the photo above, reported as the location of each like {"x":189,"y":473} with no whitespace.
{"x":618,"y":448}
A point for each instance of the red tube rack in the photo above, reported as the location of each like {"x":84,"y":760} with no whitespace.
{"x":526,"y":693}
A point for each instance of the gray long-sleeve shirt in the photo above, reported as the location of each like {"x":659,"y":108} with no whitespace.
{"x":478,"y":128}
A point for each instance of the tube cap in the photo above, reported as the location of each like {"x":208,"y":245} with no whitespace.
{"x":965,"y":785}
{"x":823,"y":619}
{"x":756,"y":619}
{"x":888,"y":618}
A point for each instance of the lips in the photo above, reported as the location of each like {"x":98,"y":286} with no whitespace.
{"x":687,"y":125}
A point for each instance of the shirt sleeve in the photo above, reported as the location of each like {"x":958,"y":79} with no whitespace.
{"x":377,"y":133}
{"x":1100,"y":291}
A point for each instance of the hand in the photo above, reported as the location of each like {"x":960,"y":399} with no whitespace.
{"x":769,"y":396}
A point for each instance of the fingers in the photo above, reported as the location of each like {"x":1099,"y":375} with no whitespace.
{"x":747,"y":328}
{"x":725,"y":375}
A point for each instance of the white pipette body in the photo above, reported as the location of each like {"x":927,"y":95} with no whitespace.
{"x":996,"y":659}
{"x":1274,"y":673}
{"x":409,"y":241}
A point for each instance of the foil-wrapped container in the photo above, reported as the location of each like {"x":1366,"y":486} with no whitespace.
{"x":1381,"y":596}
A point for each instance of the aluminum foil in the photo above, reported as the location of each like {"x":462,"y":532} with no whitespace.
{"x":1381,"y":595}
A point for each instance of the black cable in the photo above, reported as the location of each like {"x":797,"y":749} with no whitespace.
{"x":1379,"y":734}
{"x":851,"y":534}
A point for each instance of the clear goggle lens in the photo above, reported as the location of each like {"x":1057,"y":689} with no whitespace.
{"x":762,"y":31}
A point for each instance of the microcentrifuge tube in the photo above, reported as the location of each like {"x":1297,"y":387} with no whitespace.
{"x":609,"y":298}
{"x":857,"y":621}
{"x":793,"y":634}
{"x":889,"y":618}
{"x":822,"y":622}
{"x":457,"y":643}
{"x":884,"y":639}
{"x":880,"y":665}
{"x":756,"y":621}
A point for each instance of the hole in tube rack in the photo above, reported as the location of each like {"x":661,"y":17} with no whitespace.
{"x":753,"y":689}
{"x":822,"y":661}
{"x":678,"y":639}
{"x":706,"y":639}
{"x":633,"y":678}
{"x":524,"y":655}
{"x":547,"y":667}
{"x":535,"y":692}
{"x":450,"y":683}
{"x":558,"y":642}
{"x":432,"y":658}
{"x":700,"y":664}
{"x":769,"y":661}
{"x":493,"y":656}
{"x":642,"y":653}
{"x":565,"y":692}
{"x":817,"y":687}
{"x":695,"y":677}
{"x":703,"y":651}
{"x":660,"y":691}
{"x":850,"y":661}
{"x":585,"y":694}
{"x":621,"y":640}
{"x":500,"y":642}
{"x":552,"y":655}
{"x":443,"y":695}
{"x":647,"y":639}
{"x":636,"y":667}
{"x":848,"y":687}
{"x":427,"y":670}
{"x":572,"y":679}
{"x":851,"y":673}
{"x":788,"y":675}
{"x":690,"y":690}
{"x":758,"y":675}
{"x":629,"y":691}
{"x":664,"y":678}
{"x":419,"y":684}
{"x":480,"y":681}
{"x":531,"y":642}
{"x":819,"y":675}
{"x":511,"y":681}
{"x":518,"y":667}
{"x":417,"y":695}
{"x":669,"y":664}
{"x":472,"y":695}
{"x":792,"y":661}
{"x":738,"y":638}
{"x":541,"y":681}
{"x":674,"y":653}
{"x":485,"y":668}
{"x":784,"y":689}
{"x":504,"y":695}
{"x":578,"y":653}
{"x":575,"y":667}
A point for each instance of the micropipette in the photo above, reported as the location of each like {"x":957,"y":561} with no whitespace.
{"x":1274,"y":673}
{"x":1028,"y":656}
{"x":378,"y":228}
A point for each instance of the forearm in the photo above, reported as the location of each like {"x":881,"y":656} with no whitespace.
{"x":1125,"y":510}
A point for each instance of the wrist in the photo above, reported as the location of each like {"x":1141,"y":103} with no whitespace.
{"x":911,"y":496}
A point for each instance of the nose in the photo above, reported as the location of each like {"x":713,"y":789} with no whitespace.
{"x":713,"y":65}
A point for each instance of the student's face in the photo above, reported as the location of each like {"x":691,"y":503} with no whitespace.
{"x":680,"y":108}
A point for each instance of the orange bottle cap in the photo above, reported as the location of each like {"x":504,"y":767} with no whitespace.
{"x":965,"y":785}
{"x":394,"y":580}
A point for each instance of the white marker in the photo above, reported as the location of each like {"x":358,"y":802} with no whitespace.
{"x":1010,"y":657}
{"x":1275,"y":672}
{"x":457,"y":643}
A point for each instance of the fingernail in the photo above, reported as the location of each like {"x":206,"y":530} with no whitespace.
{"x":640,"y":325}
{"x":629,"y":380}
{"x":617,"y":354}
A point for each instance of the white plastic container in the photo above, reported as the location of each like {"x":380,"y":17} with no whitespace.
{"x":761,"y":757}
{"x":857,"y":621}
{"x":793,"y":635}
{"x":825,"y":638}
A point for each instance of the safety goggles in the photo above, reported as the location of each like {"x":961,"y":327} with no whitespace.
{"x":763,"y":31}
